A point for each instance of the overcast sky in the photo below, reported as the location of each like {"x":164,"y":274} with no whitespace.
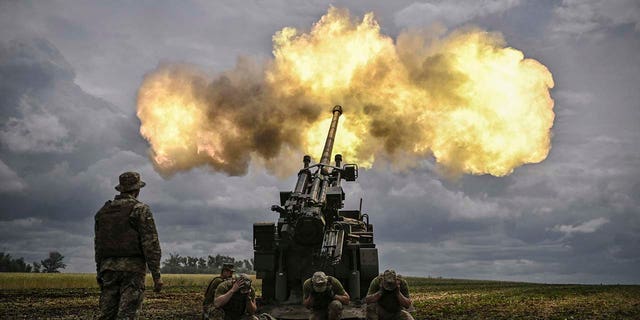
{"x":69,"y":72}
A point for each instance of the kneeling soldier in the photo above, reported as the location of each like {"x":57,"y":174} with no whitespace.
{"x":324,"y":295}
{"x":235,"y":299}
{"x":388,"y":297}
{"x":209,"y":295}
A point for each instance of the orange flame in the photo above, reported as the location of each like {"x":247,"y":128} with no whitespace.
{"x":477,"y":106}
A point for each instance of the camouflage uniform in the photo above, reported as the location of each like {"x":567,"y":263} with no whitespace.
{"x":208,"y":308}
{"x":126,"y":243}
{"x":235,"y":309}
{"x":324,"y":305}
{"x":388,"y":307}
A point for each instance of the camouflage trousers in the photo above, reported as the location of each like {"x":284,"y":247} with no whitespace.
{"x":121,"y":295}
{"x":332,"y":312}
{"x":212,"y":313}
{"x":375,"y":312}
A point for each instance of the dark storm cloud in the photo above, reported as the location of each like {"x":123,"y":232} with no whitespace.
{"x":52,"y":130}
{"x":572,"y":218}
{"x":592,"y":18}
{"x":9,"y":180}
{"x":423,"y":13}
{"x":112,"y":45}
{"x":53,"y":184}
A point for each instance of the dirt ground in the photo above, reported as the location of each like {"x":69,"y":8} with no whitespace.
{"x":433,"y":299}
{"x":173,"y":303}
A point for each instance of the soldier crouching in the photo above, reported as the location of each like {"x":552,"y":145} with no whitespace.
{"x":208,"y":307}
{"x":388,"y":298}
{"x":235,"y":299}
{"x":324,"y":295}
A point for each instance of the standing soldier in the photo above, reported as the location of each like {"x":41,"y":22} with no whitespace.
{"x":209,"y":295}
{"x":324,"y":295}
{"x":126,"y":244}
{"x":235,"y":299}
{"x":388,"y":297}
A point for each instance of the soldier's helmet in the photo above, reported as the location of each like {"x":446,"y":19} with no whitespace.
{"x":245,"y":282}
{"x":130,"y":181}
{"x":389,"y":278}
{"x":319,"y":280}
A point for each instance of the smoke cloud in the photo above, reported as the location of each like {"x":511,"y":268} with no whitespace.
{"x":463,"y":97}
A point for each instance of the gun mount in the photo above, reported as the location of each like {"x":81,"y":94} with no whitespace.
{"x":313,"y":233}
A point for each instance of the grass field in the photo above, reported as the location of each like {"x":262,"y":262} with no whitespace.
{"x":75,"y":296}
{"x":18,"y":281}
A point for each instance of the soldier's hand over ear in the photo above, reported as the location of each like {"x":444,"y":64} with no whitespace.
{"x":236,"y":285}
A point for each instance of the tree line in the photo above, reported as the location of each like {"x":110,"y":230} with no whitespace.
{"x":52,"y":264}
{"x":205,"y":265}
{"x":174,"y":264}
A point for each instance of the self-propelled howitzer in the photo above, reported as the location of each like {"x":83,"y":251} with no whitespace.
{"x":313,"y":233}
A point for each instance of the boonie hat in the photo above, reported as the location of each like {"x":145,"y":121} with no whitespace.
{"x":130,"y":181}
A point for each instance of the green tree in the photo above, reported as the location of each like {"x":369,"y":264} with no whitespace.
{"x":172,"y":264}
{"x":248,"y":264}
{"x":209,"y":265}
{"x":202,"y":264}
{"x":8,"y":264}
{"x":53,"y":263}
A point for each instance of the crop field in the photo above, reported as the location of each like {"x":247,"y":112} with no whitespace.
{"x":75,"y":296}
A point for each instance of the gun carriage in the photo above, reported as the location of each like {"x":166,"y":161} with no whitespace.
{"x":314,"y":233}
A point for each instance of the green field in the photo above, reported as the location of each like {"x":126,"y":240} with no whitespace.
{"x":75,"y":296}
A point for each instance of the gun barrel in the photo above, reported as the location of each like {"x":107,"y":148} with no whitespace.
{"x":331,"y":136}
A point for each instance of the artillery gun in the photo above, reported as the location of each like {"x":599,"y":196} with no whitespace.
{"x":313,"y":233}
